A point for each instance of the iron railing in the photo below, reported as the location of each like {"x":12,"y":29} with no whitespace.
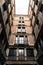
{"x":20,"y":58}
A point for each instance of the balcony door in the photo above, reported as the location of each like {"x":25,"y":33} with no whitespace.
{"x":21,"y":54}
{"x":21,"y":40}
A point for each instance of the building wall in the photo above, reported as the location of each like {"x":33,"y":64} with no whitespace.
{"x":4,"y":26}
{"x":30,"y":20}
{"x":28,"y":28}
{"x":36,"y":15}
{"x":2,"y":2}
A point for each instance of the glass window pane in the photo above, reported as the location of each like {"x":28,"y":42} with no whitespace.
{"x":16,"y":40}
{"x":21,"y":52}
{"x":12,"y":52}
{"x":21,"y":40}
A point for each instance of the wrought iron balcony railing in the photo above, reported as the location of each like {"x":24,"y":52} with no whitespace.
{"x":20,"y":58}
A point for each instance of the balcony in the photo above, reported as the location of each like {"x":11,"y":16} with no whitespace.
{"x":21,"y":41}
{"x":5,"y":16}
{"x":19,"y":58}
{"x":30,"y":60}
{"x":21,"y":30}
{"x":40,"y":17}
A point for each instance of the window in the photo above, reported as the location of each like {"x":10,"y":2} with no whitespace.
{"x":12,"y":52}
{"x":23,"y":27}
{"x":26,"y":36}
{"x":19,"y":24}
{"x":19,"y":27}
{"x":4,"y":7}
{"x":41,"y":7}
{"x":36,"y":2}
{"x":21,"y":52}
{"x":22,"y":17}
{"x":22,"y":21}
{"x":21,"y":40}
{"x":19,"y":21}
{"x":2,"y":10}
{"x":30,"y":52}
{"x":16,"y":39}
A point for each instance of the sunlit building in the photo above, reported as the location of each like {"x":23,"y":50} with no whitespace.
{"x":21,"y":35}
